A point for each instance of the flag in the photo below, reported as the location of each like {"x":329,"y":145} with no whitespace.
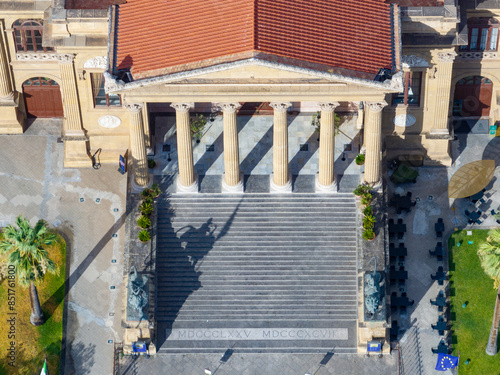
{"x":446,"y":362}
{"x":45,"y":371}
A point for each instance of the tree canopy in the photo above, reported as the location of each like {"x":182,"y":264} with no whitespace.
{"x":25,"y":247}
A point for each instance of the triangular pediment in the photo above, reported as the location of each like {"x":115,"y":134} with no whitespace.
{"x":254,"y":72}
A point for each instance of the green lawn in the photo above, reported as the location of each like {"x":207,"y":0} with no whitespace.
{"x":471,"y":325}
{"x":32,"y":343}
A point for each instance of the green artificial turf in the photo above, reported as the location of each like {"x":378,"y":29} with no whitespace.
{"x":471,"y":325}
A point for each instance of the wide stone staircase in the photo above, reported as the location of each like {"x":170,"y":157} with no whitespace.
{"x":257,"y":273}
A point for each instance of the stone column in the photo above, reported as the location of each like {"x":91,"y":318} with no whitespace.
{"x":138,"y":145}
{"x":232,"y":180}
{"x":326,"y":177}
{"x":10,"y":121}
{"x":373,"y":139}
{"x":71,"y":104}
{"x":281,"y":180}
{"x":186,"y":183}
{"x":443,"y":73}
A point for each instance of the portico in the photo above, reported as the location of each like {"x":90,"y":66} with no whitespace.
{"x":225,"y":137}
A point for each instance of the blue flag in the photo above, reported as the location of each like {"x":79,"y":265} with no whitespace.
{"x":446,"y":362}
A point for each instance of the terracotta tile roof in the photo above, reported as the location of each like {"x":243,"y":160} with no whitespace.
{"x":156,"y":37}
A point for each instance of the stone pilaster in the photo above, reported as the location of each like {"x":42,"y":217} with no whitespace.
{"x":232,"y":180}
{"x":326,"y":177}
{"x":281,"y":179}
{"x":71,"y":104}
{"x":11,"y":122}
{"x":75,"y":141}
{"x":373,"y":140}
{"x":443,"y":73}
{"x":186,"y":182}
{"x":138,"y":145}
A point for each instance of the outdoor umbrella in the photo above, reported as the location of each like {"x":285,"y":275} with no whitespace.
{"x":471,"y":178}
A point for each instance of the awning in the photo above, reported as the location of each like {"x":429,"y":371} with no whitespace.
{"x":471,"y":178}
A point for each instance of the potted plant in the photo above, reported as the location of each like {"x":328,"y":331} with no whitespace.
{"x":146,"y":207}
{"x":366,"y":199}
{"x":144,"y":235}
{"x":151,"y":163}
{"x":361,"y":189}
{"x":369,"y":221}
{"x":360,"y":159}
{"x":368,"y":234}
{"x":144,"y":222}
{"x":155,"y":190}
{"x":197,"y":125}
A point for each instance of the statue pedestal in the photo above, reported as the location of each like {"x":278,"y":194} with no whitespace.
{"x":372,"y":312}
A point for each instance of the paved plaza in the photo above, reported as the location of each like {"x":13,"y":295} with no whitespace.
{"x":417,"y":338}
{"x":35,"y":184}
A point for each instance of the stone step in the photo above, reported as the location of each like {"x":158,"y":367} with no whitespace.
{"x":176,"y":348}
{"x":243,"y":266}
{"x":305,"y":317}
{"x":269,"y":261}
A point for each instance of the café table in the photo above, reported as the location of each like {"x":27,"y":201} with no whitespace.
{"x":398,"y":251}
{"x":439,"y":227}
{"x":474,"y":216}
{"x":403,"y":202}
{"x":477,"y":196}
{"x":400,"y":301}
{"x":397,"y":228}
{"x":440,"y":276}
{"x":398,"y":275}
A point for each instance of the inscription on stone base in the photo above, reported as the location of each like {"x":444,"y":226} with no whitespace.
{"x":258,"y":334}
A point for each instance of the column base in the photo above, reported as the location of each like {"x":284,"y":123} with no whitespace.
{"x":287,"y":188}
{"x":319,"y":188}
{"x":136,"y":188}
{"x":76,"y":155}
{"x":236,"y":189}
{"x":181,"y":189}
{"x":11,"y":121}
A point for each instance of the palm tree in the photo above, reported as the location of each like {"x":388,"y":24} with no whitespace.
{"x":25,"y":247}
{"x":489,"y":255}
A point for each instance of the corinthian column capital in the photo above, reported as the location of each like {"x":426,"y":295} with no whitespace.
{"x":134,"y":107}
{"x":376,"y":106}
{"x":328,"y":107}
{"x":280,"y":107}
{"x":228,"y":107}
{"x":182,"y":107}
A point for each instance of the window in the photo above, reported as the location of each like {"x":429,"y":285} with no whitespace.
{"x":100,"y":97}
{"x":411,"y":93}
{"x":28,"y":36}
{"x":483,"y":35}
